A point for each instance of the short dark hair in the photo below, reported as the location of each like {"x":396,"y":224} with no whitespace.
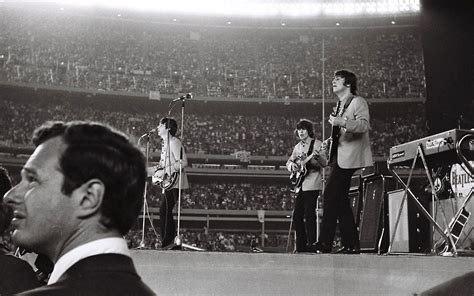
{"x":96,"y":151}
{"x":6,"y":212}
{"x":349,"y":79}
{"x":305,"y":124}
{"x":170,"y":124}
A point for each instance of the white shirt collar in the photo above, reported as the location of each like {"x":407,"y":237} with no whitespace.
{"x":109,"y":245}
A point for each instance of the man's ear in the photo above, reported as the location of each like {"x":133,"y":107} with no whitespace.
{"x":90,"y":196}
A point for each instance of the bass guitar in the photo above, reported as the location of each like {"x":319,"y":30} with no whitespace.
{"x":164,"y":179}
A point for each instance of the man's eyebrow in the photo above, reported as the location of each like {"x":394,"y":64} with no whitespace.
{"x":29,"y":170}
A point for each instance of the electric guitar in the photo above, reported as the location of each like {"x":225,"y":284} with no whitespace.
{"x":164,"y":179}
{"x":297,"y":174}
{"x":333,"y":143}
{"x":336,"y":130}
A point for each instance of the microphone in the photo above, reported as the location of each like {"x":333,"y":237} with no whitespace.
{"x":149,"y":133}
{"x":187,"y":96}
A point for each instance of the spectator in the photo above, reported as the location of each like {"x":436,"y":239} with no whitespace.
{"x":16,"y":275}
{"x":75,"y":202}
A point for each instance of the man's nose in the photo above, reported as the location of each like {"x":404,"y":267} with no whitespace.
{"x":12,"y":196}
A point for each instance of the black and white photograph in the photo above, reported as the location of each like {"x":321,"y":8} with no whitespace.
{"x":237,"y":147}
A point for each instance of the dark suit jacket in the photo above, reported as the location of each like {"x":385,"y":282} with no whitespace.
{"x":16,"y":275}
{"x":105,"y":274}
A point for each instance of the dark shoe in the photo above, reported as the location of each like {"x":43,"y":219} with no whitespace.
{"x":255,"y":250}
{"x":171,"y":246}
{"x":348,"y":250}
{"x":319,"y":248}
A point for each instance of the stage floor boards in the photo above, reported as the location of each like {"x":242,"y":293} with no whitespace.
{"x":214,"y":273}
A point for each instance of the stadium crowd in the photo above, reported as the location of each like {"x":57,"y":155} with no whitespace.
{"x":105,"y":54}
{"x":231,"y":196}
{"x":216,"y":241}
{"x":223,"y":134}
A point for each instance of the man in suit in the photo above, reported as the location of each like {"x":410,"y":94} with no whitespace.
{"x":80,"y":192}
{"x":351,"y":119}
{"x":16,"y":275}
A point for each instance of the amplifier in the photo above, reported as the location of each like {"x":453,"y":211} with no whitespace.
{"x":355,"y":199}
{"x":373,"y":226}
{"x":413,"y":232}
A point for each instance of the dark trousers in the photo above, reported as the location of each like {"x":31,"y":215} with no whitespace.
{"x":304,"y":219}
{"x":337,"y":208}
{"x":167,"y":225}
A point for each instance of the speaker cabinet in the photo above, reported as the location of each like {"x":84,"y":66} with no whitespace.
{"x":373,"y":227}
{"x":412,"y":234}
{"x":400,"y":238}
{"x":355,"y":199}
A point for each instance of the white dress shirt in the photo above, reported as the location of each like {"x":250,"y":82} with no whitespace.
{"x":111,"y":245}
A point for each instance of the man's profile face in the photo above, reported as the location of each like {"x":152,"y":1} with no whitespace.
{"x":42,"y":215}
{"x":338,"y":84}
{"x":162,"y":130}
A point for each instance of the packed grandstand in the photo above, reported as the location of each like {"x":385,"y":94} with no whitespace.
{"x":250,"y":85}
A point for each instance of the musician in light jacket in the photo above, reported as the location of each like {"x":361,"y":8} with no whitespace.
{"x":306,"y":158}
{"x":172,"y":152}
{"x":353,"y":152}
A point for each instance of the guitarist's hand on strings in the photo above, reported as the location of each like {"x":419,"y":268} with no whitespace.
{"x":337,"y":120}
{"x":325,"y":143}
{"x":294,"y":167}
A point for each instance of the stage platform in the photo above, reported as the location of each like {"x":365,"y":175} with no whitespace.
{"x":214,"y":273}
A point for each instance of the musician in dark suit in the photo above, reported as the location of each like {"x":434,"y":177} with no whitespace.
{"x":305,"y":164}
{"x":80,"y":192}
{"x":172,"y":152}
{"x":351,"y":119}
{"x":16,"y":275}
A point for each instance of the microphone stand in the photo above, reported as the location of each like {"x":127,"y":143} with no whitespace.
{"x":178,"y":241}
{"x":145,"y":204}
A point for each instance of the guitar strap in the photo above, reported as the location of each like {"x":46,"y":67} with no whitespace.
{"x":340,"y":111}
{"x":310,"y":150}
{"x":347,"y":104}
{"x":311,"y":146}
{"x":338,"y":106}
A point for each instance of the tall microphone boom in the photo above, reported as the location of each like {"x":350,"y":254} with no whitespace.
{"x":187,"y":96}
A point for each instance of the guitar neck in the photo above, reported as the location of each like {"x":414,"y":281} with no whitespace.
{"x":305,"y":161}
